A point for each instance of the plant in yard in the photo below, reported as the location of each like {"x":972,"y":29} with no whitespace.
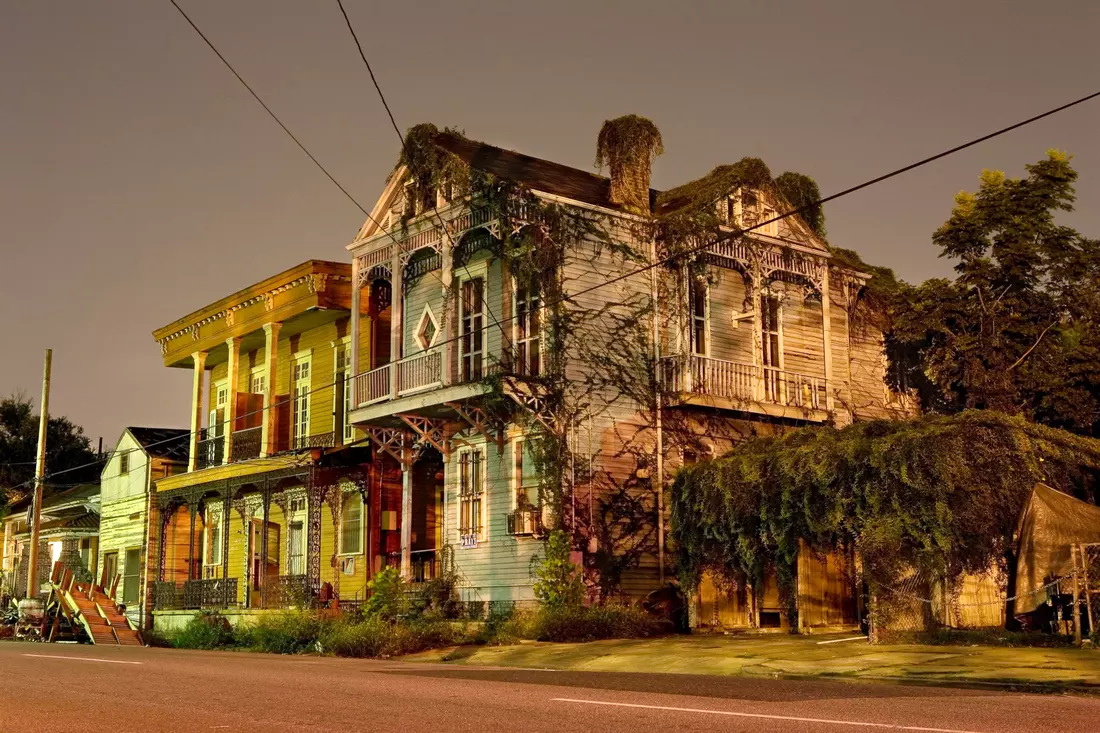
{"x":558,"y":582}
{"x":387,"y":595}
{"x":208,"y":630}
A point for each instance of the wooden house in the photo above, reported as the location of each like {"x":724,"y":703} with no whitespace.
{"x":68,"y":533}
{"x":279,"y":501}
{"x":141,"y":457}
{"x":465,"y":371}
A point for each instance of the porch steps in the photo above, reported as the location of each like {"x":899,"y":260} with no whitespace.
{"x":89,"y":606}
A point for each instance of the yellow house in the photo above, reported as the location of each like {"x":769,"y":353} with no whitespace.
{"x":281,"y":501}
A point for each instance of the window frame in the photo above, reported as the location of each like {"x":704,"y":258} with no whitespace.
{"x":472,"y":274}
{"x":257,"y":373}
{"x":124,"y":462}
{"x":212,"y":519}
{"x":477,"y":496}
{"x":298,"y":415}
{"x":427,"y":315}
{"x":695,"y":320}
{"x":526,"y":324}
{"x":126,"y":575}
{"x":341,"y":349}
{"x":519,"y":457}
{"x":344,"y":499}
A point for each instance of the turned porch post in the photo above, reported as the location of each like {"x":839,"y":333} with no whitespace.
{"x":406,"y":519}
{"x":199,"y":359}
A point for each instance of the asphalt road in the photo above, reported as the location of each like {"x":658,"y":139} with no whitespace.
{"x":51,"y":687}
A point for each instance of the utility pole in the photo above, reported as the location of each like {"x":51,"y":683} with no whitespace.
{"x":39,"y":474}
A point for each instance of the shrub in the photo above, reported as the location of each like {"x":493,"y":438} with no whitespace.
{"x":387,"y":595}
{"x":208,"y":630}
{"x":285,"y":632}
{"x":591,"y":623}
{"x":558,"y":583}
{"x":375,"y":637}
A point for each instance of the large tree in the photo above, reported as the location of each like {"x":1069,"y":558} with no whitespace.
{"x":66,"y":448}
{"x":1016,"y":329}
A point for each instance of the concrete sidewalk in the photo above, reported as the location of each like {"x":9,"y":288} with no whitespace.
{"x":803,"y":656}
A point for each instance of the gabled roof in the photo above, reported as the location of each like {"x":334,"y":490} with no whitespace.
{"x":535,"y":173}
{"x":167,"y":443}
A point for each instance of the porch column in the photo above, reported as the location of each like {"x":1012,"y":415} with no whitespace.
{"x":313,"y":538}
{"x":226,"y":595}
{"x":397,"y":318}
{"x":162,"y":548}
{"x":199,"y":358}
{"x":446,"y":282}
{"x":406,"y":520}
{"x":269,"y":429}
{"x":233,"y":382}
{"x":261,"y":581}
{"x":193,"y":508}
{"x":356,"y":300}
{"x":757,"y":338}
{"x":827,"y":336}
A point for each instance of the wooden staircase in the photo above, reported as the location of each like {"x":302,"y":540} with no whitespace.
{"x":89,"y":606}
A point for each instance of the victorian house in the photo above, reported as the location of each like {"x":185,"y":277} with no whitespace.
{"x":536,"y":356}
{"x":278,"y":501}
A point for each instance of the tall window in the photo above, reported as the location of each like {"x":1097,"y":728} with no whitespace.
{"x":295,"y":552}
{"x":213,"y":536}
{"x":259,"y":381}
{"x":124,"y":463}
{"x":131,"y":579}
{"x":473,"y":332}
{"x":221,"y":401}
{"x":699,"y":343}
{"x":342,"y":393}
{"x":351,"y":525}
{"x":301,"y":401}
{"x":772,"y":354}
{"x":470,"y":494}
{"x":528,"y":325}
{"x":524,"y":478}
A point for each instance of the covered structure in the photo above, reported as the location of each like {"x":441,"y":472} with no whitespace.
{"x":1051,"y":528}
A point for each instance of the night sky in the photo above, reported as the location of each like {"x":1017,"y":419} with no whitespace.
{"x":139,"y":181}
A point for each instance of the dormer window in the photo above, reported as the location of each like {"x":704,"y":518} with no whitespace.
{"x":419,"y":198}
{"x":754,"y":212}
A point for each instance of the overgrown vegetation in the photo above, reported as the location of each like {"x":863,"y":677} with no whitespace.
{"x":939,"y":494}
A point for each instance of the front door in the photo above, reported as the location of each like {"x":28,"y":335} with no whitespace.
{"x":110,"y":569}
{"x":269,"y":571}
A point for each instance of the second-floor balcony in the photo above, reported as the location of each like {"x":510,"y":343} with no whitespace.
{"x":703,"y":380}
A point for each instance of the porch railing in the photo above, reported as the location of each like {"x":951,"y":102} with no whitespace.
{"x":419,"y":372}
{"x":285,"y":591}
{"x":195,"y":594}
{"x":425,"y":566}
{"x":703,"y":375}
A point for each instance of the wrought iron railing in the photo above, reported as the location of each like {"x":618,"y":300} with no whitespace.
{"x":246,"y":443}
{"x":320,"y":440}
{"x":425,"y":566}
{"x":195,"y":594}
{"x":211,"y":450}
{"x":286,"y":591}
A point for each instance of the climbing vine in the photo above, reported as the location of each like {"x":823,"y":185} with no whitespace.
{"x":939,"y":495}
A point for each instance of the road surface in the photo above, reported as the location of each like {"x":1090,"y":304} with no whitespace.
{"x":54,"y":687}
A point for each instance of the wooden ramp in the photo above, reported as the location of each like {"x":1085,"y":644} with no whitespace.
{"x":89,"y":606}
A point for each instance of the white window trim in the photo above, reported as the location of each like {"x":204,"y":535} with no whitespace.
{"x":362,"y":525}
{"x":218,"y":386}
{"x":428,"y":315}
{"x":483,"y":535}
{"x":348,"y":435}
{"x":260,"y":371}
{"x":516,"y":286}
{"x":780,"y":298}
{"x":706,"y":353}
{"x":473,"y":272}
{"x":299,"y":357}
{"x":297,"y":515}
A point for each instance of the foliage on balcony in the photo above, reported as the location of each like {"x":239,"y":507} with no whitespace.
{"x":939,"y":494}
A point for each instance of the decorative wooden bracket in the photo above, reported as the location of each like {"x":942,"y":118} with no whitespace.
{"x":431,"y":431}
{"x":392,"y":442}
{"x":527,"y":397}
{"x":480,"y":422}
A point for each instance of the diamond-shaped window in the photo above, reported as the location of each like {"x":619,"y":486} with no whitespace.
{"x":427,"y":329}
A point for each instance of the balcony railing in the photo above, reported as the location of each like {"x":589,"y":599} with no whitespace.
{"x":420,"y":372}
{"x":246,"y":444}
{"x":211,"y":450}
{"x":736,"y":381}
{"x":373,"y":386}
{"x":319,"y":440}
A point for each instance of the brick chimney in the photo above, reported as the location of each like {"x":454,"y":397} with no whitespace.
{"x":628,"y":145}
